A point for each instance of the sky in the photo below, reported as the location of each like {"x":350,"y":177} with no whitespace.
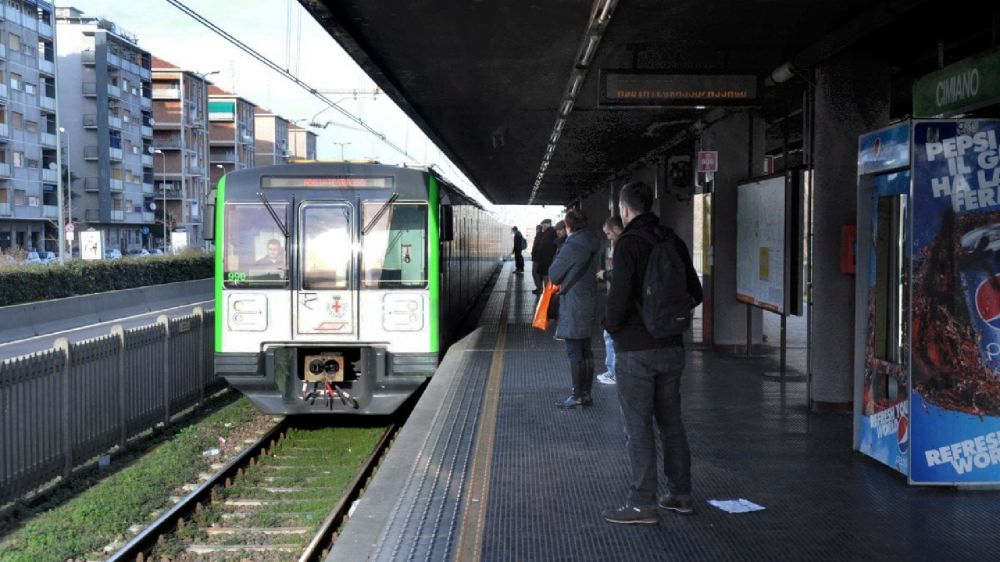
{"x":285,"y":33}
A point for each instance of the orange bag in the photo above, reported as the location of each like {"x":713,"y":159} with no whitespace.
{"x":541,"y":320}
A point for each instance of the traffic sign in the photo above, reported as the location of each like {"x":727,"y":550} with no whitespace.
{"x":708,"y":161}
{"x":70,"y":227}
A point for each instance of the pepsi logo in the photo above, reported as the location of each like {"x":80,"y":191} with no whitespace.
{"x":903,"y":434}
{"x":988,"y":301}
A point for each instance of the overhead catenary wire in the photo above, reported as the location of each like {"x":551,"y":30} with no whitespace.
{"x":284,"y":72}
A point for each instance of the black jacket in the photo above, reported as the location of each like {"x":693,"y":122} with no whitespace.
{"x":543,"y":251}
{"x":622,"y":318}
{"x":518,"y":242}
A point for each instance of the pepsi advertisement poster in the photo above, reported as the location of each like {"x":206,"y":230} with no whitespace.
{"x":955,"y":322}
{"x":884,"y":430}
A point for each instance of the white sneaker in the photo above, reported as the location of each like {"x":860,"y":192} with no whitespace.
{"x":606,"y":378}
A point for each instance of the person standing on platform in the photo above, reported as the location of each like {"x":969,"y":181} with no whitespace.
{"x":648,"y":368}
{"x":519,"y":245}
{"x":574,"y":270}
{"x":543,"y":250}
{"x":612,"y":230}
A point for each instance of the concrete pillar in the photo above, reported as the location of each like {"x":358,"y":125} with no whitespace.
{"x":739,"y":140}
{"x":852,"y":97}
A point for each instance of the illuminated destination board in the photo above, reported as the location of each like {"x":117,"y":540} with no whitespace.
{"x":632,"y":87}
{"x":329,"y":182}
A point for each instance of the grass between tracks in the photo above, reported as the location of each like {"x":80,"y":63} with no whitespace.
{"x":104,"y":512}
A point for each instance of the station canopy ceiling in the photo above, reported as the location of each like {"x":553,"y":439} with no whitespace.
{"x":488,"y":80}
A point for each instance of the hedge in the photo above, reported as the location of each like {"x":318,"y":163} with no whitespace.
{"x":30,"y":283}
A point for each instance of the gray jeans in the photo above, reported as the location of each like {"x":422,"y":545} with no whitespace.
{"x":648,"y":385}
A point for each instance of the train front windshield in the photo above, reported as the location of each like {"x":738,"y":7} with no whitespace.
{"x":255,"y":250}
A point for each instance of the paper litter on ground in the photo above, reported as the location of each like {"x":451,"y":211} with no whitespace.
{"x":736,"y":506}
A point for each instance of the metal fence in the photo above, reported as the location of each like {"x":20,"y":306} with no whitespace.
{"x":65,"y":405}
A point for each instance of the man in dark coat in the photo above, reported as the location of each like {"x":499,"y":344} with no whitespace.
{"x":519,"y":245}
{"x":574,"y":270}
{"x":543,"y":250}
{"x":648,"y":368}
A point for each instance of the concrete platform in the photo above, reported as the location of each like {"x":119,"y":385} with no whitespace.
{"x":488,"y":469}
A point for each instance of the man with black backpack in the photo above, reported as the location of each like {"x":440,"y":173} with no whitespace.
{"x":519,"y":245}
{"x":649,"y":306}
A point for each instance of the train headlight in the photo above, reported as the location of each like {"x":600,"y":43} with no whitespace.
{"x":247,"y":312}
{"x":402,"y":312}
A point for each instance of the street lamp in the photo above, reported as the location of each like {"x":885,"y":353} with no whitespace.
{"x":163,"y":187}
{"x":341,"y":144}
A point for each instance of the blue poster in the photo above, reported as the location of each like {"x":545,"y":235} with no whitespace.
{"x":955,"y":323}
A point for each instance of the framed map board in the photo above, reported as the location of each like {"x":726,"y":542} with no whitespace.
{"x":767,"y":255}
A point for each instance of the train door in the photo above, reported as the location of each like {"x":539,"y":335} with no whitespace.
{"x":326,"y":295}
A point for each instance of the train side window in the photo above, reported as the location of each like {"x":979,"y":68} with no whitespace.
{"x":395,"y":248}
{"x":447,"y":224}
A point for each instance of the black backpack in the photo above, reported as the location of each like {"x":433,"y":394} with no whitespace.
{"x":666,"y":301}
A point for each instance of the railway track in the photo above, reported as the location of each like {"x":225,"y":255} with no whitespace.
{"x":278,"y":500}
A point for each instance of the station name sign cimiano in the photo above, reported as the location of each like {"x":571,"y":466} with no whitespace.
{"x":636,"y":87}
{"x":963,"y":86}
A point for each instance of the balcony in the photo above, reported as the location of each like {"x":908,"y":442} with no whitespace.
{"x":3,"y":51}
{"x":47,"y":67}
{"x":115,"y":122}
{"x":3,"y":93}
{"x":147,"y":159}
{"x":118,"y":215}
{"x":45,"y":30}
{"x":147,"y":188}
{"x":5,"y":209}
{"x":145,"y":73}
{"x":48,"y":139}
{"x":117,"y":185}
{"x":146,"y":102}
{"x":166,"y":93}
{"x":4,"y":132}
{"x":114,"y":60}
{"x":147,"y":132}
{"x":169,"y":142}
{"x":50,"y":176}
{"x":114,"y":92}
{"x":90,"y":89}
{"x":50,"y":211}
{"x":148,"y":217}
{"x":47,"y":103}
{"x":4,"y":170}
{"x":29,"y":21}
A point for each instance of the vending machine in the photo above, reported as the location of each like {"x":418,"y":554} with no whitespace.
{"x":927,"y":347}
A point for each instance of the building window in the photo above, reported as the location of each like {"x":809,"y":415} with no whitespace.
{"x":32,"y":163}
{"x":20,"y":197}
{"x":16,"y":119}
{"x":18,"y":159}
{"x":15,"y":81}
{"x":30,"y":89}
{"x":14,"y":42}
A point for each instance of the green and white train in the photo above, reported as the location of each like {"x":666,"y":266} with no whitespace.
{"x":338,"y":285}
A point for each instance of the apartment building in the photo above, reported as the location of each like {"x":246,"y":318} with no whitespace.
{"x":105,"y":98}
{"x":270,"y":138}
{"x":231,"y":132}
{"x":180,"y":145}
{"x":302,"y":143}
{"x":28,"y":127}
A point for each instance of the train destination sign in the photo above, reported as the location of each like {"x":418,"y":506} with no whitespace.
{"x":632,"y":87}
{"x":330,"y":182}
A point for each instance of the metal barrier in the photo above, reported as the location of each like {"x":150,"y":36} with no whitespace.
{"x":63,"y":406}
